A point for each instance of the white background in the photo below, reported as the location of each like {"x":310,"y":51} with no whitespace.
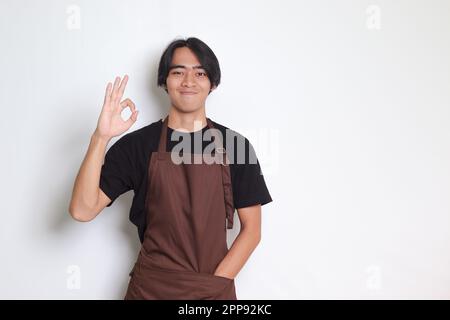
{"x":347,"y":106}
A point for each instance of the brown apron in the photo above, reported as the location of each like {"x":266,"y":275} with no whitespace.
{"x":187,"y":207}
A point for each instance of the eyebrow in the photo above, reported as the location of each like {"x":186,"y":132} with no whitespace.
{"x":184,"y":67}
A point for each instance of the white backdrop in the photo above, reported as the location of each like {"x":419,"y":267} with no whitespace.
{"x":346,"y":103}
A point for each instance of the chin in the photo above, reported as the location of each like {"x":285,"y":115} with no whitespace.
{"x":185,"y":108}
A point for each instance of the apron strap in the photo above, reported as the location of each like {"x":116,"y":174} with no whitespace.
{"x":162,"y":146}
{"x":226,"y":177}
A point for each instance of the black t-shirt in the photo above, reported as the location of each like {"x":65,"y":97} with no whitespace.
{"x":126,"y":165}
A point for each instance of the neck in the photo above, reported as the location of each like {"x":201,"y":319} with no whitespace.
{"x":188,"y":122}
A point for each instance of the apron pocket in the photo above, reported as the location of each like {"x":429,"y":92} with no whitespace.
{"x":156,"y":283}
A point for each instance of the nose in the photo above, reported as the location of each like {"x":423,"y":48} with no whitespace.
{"x":188,"y":80}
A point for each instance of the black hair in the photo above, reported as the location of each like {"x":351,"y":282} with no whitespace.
{"x":203,"y":53}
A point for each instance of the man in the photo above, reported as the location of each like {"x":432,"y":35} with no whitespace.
{"x":181,"y":210}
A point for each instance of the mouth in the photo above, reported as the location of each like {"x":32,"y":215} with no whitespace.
{"x":188,"y":93}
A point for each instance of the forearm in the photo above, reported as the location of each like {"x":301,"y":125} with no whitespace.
{"x":240,"y":251}
{"x":86,"y":186}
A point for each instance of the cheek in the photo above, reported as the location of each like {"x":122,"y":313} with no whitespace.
{"x":172,"y":82}
{"x":205,"y":84}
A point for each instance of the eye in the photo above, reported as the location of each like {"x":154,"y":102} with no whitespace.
{"x":176,"y":72}
{"x":202,"y":74}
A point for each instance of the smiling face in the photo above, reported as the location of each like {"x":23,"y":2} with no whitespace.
{"x":187,"y":82}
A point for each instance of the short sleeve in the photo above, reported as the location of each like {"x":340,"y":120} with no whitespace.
{"x":249,"y":186}
{"x":117,"y":171}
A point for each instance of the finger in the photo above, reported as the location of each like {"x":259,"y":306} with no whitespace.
{"x":127,"y":102}
{"x":108,"y":93}
{"x":133,"y":118}
{"x":134,"y":115}
{"x":115,"y":87}
{"x":123,"y":84}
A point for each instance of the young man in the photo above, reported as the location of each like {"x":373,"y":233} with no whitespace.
{"x":182,"y":209}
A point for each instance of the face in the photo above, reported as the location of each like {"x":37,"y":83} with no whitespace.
{"x":187,"y":82}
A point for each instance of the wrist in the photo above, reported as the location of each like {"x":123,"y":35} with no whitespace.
{"x":96,"y":136}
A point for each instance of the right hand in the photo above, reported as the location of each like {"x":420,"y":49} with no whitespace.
{"x":110,"y":122}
